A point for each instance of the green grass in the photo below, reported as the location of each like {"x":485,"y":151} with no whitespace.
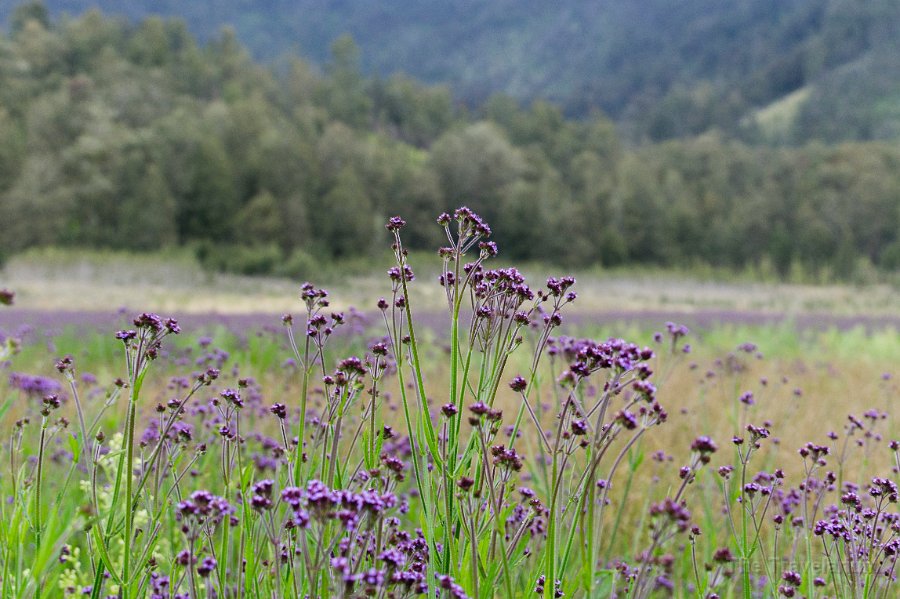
{"x":819,"y":362}
{"x":599,"y":454}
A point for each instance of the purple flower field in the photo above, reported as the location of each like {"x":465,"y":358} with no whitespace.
{"x":490,"y":450}
{"x":22,"y":321}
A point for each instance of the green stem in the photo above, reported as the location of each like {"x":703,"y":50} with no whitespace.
{"x":551,"y":532}
{"x":417,"y":371}
{"x":304,"y":390}
{"x":451,"y":445}
{"x":129,"y":483}
{"x":129,"y":453}
{"x":37,"y":497}
{"x":745,"y":558}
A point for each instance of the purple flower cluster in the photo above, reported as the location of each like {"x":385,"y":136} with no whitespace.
{"x":587,"y":356}
{"x":673,"y":511}
{"x":33,"y":385}
{"x":202,"y":507}
{"x":318,"y":503}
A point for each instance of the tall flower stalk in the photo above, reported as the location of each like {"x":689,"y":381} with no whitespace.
{"x":142,"y":346}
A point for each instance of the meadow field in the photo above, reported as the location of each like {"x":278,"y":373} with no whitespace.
{"x":666,"y":368}
{"x":488,"y":434}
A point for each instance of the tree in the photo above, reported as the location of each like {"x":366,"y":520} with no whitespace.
{"x":474,"y":165}
{"x":12,"y":150}
{"x":344,"y":222}
{"x":146,"y":219}
{"x":261,"y":221}
{"x":34,"y":11}
{"x":149,"y":45}
{"x":410,"y":112}
{"x":345,"y":95}
{"x":209,"y":204}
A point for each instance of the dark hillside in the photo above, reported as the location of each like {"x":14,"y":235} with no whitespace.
{"x":661,"y":68}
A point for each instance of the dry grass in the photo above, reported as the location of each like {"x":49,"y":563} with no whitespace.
{"x":108,"y":281}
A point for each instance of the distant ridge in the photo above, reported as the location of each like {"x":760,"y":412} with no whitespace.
{"x":660,"y":68}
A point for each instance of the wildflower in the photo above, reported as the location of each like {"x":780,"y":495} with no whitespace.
{"x":676,"y":331}
{"x":883,"y":487}
{"x":673,"y":511}
{"x":64,"y":365}
{"x":184,"y":558}
{"x":398,"y":274}
{"x":723,"y":556}
{"x":446,"y":583}
{"x":518,"y":384}
{"x":705,"y":447}
{"x":206,"y":567}
{"x":479,"y":408}
{"x":50,"y":402}
{"x":627,"y":420}
{"x":757,"y":433}
{"x":33,"y":385}
{"x":506,"y":457}
{"x":487,"y":249}
{"x":261,"y":495}
{"x":233,"y":397}
{"x":395,"y":223}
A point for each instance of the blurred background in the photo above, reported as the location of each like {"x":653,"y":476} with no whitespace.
{"x":675,"y":154}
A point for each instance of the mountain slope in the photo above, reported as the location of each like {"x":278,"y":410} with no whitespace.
{"x":664,"y":68}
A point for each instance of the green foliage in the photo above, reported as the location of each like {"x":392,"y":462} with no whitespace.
{"x":260,"y":220}
{"x":239,"y":259}
{"x":661,"y":69}
{"x":137,"y":138}
{"x":12,"y":150}
{"x":29,"y":11}
{"x":344,"y":219}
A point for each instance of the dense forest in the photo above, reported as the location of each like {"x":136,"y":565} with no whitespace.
{"x":135,"y":136}
{"x":762,"y":71}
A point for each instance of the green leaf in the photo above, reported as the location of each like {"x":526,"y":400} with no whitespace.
{"x":74,"y":447}
{"x":636,"y":458}
{"x":5,"y":407}
{"x":379,"y":442}
{"x":246,"y":475}
{"x":101,"y":549}
{"x":367,"y":457}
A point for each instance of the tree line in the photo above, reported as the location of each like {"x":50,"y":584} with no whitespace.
{"x":136,"y":137}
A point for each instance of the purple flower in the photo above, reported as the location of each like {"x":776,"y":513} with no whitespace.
{"x":395,"y":223}
{"x":206,"y":567}
{"x":33,"y":385}
{"x":518,"y":384}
